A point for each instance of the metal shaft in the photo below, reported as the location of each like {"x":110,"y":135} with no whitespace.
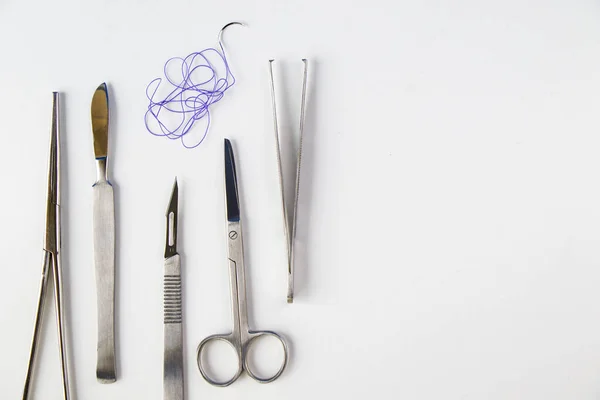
{"x":57,"y":258}
{"x":173,"y":357}
{"x":58,"y":301}
{"x":51,"y":261}
{"x":281,"y":186}
{"x":290,"y":295}
{"x":104,"y":261}
{"x":37,"y":325}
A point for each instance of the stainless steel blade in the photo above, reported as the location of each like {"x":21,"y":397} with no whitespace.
{"x":100,"y":121}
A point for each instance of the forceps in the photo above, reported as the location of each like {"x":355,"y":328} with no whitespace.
{"x":290,"y":238}
{"x":51,"y":260}
{"x":241,"y":338}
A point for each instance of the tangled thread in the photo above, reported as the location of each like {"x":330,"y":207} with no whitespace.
{"x":191,"y":93}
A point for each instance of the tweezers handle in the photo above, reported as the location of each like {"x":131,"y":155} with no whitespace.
{"x":173,"y":357}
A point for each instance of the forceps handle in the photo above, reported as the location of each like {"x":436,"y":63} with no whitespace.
{"x":37,"y":325}
{"x":50,"y":261}
{"x":58,"y":296}
{"x":173,"y":357}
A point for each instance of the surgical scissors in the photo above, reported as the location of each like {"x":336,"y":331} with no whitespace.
{"x":51,"y":258}
{"x":241,"y":338}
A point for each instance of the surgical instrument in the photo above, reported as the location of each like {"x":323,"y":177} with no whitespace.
{"x":173,"y":357}
{"x":104,"y":241}
{"x":52,"y":258}
{"x":290,"y":239}
{"x":241,"y":338}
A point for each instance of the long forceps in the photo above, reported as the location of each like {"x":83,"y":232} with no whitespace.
{"x":241,"y":338}
{"x":290,"y":239}
{"x":173,"y":329}
{"x":51,"y":260}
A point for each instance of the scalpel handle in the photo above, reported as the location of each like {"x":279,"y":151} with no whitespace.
{"x":173,"y":358}
{"x":104,"y":261}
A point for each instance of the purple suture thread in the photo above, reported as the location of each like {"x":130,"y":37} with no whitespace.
{"x":188,"y":101}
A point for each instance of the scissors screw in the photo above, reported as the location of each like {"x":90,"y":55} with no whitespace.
{"x":233,"y":235}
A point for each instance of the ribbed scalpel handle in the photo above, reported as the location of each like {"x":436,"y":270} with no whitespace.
{"x":173,"y":359}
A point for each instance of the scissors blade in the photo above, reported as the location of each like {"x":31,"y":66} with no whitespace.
{"x":171,"y":244}
{"x":231,"y":187}
{"x":53,"y":190}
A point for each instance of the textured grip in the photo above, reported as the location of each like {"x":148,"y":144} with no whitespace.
{"x":172,"y":290}
{"x":172,"y":299}
{"x":173,"y":358}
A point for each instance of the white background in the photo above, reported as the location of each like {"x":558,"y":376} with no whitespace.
{"x":448,"y":237}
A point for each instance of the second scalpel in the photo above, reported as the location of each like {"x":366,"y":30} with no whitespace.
{"x":104,"y":241}
{"x":173,"y":329}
